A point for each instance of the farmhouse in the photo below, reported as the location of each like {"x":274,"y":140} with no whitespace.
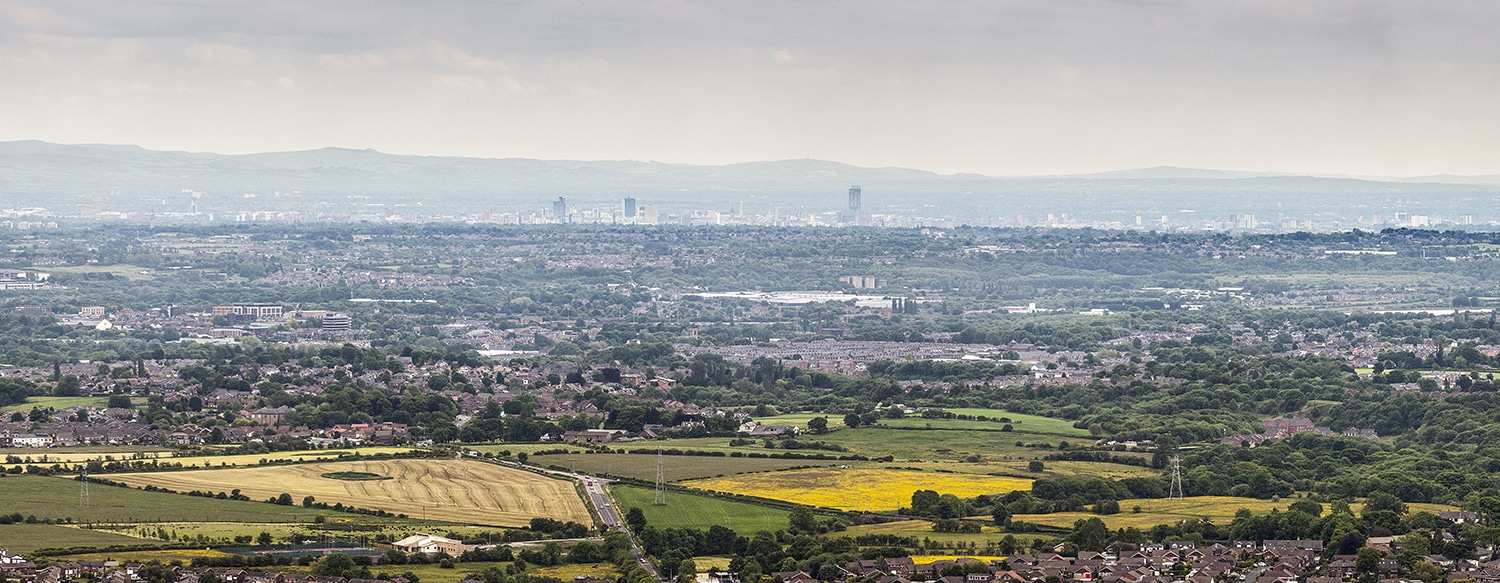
{"x":430,"y":545}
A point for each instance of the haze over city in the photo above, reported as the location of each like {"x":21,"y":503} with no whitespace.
{"x":1376,"y":89}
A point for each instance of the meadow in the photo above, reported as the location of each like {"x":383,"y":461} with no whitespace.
{"x":432,"y":573}
{"x":59,"y":498}
{"x":675,"y":468}
{"x":26,"y":538}
{"x":63,"y":403}
{"x":1019,"y":422}
{"x":465,"y":491}
{"x":922,"y":530}
{"x":858,"y":489}
{"x":68,"y":457}
{"x":1219,"y":509}
{"x":695,"y":511}
{"x":938,"y":444}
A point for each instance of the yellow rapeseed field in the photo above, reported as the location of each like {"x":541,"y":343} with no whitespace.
{"x":860,"y":489}
{"x":463,"y":491}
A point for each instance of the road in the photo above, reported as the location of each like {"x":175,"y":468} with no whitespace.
{"x":599,"y":498}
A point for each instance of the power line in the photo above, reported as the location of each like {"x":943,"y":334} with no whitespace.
{"x":1175,"y":491}
{"x":661,"y":481}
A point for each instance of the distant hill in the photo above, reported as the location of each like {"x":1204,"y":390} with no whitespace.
{"x":124,"y":177}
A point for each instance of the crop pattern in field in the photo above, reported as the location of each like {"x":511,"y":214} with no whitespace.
{"x":463,"y":491}
{"x":858,"y":489}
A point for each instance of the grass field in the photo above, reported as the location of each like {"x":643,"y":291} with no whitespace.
{"x":1219,"y":509}
{"x":528,"y":448}
{"x":185,"y":556}
{"x":674,"y":467}
{"x":56,"y":498}
{"x":71,"y":455}
{"x":466,"y":491}
{"x":860,"y":489}
{"x":1020,"y":422}
{"x":1024,"y":422}
{"x":130,"y":272}
{"x":938,"y":444}
{"x":691,"y":511}
{"x":63,"y":403}
{"x":921,"y":529}
{"x":25,"y":538}
{"x":432,"y":573}
{"x":226,"y":460}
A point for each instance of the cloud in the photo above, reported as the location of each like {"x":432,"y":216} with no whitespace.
{"x":29,"y":58}
{"x":452,"y":56}
{"x":365,"y":60}
{"x":286,"y":82}
{"x":29,"y":17}
{"x":220,"y":54}
{"x":783,"y":56}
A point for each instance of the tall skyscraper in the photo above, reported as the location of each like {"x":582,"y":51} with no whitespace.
{"x":629,"y":207}
{"x":854,"y":201}
{"x":560,"y":209}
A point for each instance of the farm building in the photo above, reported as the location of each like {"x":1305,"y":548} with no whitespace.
{"x":430,"y":545}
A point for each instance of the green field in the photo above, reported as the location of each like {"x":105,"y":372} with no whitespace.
{"x":693,"y":511}
{"x":1021,"y":422}
{"x":674,"y":467}
{"x":56,"y":498}
{"x":528,"y":448}
{"x":63,"y":403}
{"x":938,"y":444}
{"x":922,"y":529}
{"x":1219,"y":509}
{"x":25,"y":538}
{"x":131,"y":272}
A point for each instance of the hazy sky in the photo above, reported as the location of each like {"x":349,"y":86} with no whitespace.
{"x":1027,"y":87}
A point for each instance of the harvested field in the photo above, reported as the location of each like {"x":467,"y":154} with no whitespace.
{"x":860,"y":489}
{"x":463,"y":491}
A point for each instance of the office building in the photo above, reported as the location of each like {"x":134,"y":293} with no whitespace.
{"x":854,"y":199}
{"x":629,"y":207}
{"x":560,"y":209}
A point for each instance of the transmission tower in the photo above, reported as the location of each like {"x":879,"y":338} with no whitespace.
{"x":1175,"y":491}
{"x":661,"y":481}
{"x":83,"y":487}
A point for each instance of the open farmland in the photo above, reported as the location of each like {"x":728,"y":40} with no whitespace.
{"x":71,"y":458}
{"x":57,"y":498}
{"x":693,"y":511}
{"x":25,"y":538}
{"x":464,"y":491}
{"x":859,"y":489}
{"x":922,"y":529}
{"x":1019,"y":422}
{"x":938,"y":444}
{"x":1219,"y":509}
{"x":674,"y":467}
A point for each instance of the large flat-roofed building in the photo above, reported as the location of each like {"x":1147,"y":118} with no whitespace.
{"x":257,"y":312}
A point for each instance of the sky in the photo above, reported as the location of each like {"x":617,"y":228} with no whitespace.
{"x":1356,"y":87}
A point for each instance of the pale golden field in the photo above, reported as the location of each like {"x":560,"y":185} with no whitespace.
{"x":1219,"y":509}
{"x":860,"y":489}
{"x":925,"y":559}
{"x":71,"y":459}
{"x":164,"y":556}
{"x":463,"y":491}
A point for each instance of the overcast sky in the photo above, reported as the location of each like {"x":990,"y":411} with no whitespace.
{"x":1027,"y":87}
